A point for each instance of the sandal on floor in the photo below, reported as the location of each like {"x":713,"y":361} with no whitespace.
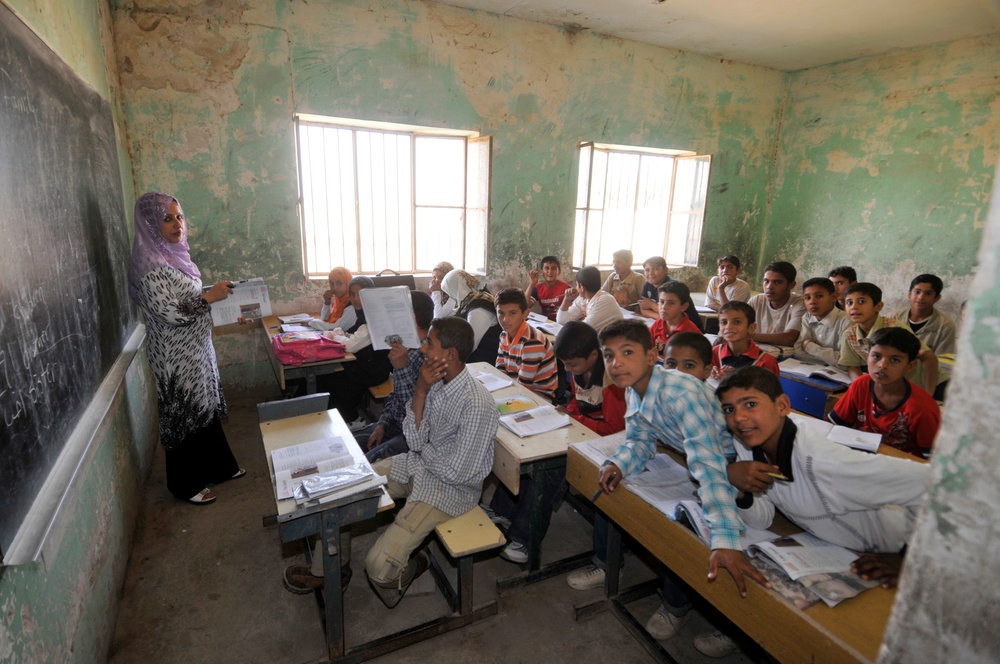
{"x":239,"y":473}
{"x":203,"y":497}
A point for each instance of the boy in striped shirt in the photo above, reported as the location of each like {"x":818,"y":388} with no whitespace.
{"x":525,"y":354}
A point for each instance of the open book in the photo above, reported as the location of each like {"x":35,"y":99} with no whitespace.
{"x":806,"y":370}
{"x":803,"y":554}
{"x":317,"y":468}
{"x":537,"y":420}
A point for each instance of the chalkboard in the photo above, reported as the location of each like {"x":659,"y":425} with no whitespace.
{"x":64,"y":308}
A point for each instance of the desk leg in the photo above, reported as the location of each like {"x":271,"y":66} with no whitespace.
{"x":311,"y":383}
{"x":613,"y":556}
{"x":334,"y":602}
{"x":535,"y":526}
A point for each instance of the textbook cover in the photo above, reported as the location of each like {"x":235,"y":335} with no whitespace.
{"x":515,"y":404}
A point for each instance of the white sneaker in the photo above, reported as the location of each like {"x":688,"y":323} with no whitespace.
{"x":715,"y":644}
{"x":664,"y":625}
{"x":515,"y":552}
{"x":586,"y":578}
{"x":500,"y":521}
{"x":358,"y":424}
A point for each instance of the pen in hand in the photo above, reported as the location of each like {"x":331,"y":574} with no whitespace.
{"x":600,"y":490}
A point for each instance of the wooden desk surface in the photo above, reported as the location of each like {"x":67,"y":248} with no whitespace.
{"x":272,"y":326}
{"x":850,"y":632}
{"x":510,"y":451}
{"x":277,"y":434}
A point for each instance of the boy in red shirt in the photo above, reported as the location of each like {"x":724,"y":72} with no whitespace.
{"x":674,"y":301}
{"x":548,"y":293}
{"x":594,"y":400}
{"x":737,"y":321}
{"x":884,"y":401}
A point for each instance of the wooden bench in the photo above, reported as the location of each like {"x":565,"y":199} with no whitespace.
{"x":382,"y":390}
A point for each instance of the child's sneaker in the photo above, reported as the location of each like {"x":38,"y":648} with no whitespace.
{"x":515,"y":552}
{"x":664,"y":625}
{"x":715,"y":644}
{"x":586,"y":578}
{"x":500,"y":521}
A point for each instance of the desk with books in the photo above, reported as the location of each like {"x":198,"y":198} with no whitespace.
{"x":514,"y":457}
{"x":850,"y":632}
{"x":811,"y":394}
{"x":309,"y":371}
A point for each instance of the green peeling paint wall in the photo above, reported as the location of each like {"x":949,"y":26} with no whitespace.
{"x":64,"y":610}
{"x":886,"y":163}
{"x":210,"y":89}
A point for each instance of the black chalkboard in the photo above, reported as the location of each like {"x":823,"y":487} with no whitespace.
{"x":64,"y":308}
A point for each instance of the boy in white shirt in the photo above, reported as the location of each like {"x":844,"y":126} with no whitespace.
{"x":779,"y":311}
{"x":823,"y":324}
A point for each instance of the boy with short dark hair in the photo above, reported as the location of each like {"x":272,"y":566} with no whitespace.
{"x":836,"y":493}
{"x":726,"y":285}
{"x":674,"y":301}
{"x":779,"y":310}
{"x":863,"y":302}
{"x":450,"y":426}
{"x":623,"y":283}
{"x":548,"y":293}
{"x":655,"y":269}
{"x":524,"y":353}
{"x":591,"y":305}
{"x":842,"y":277}
{"x":595,"y":401}
{"x":737,"y":322}
{"x":690,"y":353}
{"x":934,"y":328}
{"x":679,"y":411}
{"x":883,"y":401}
{"x":823,"y":324}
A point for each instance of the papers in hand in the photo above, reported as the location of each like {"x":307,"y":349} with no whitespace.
{"x":492,"y":382}
{"x":389,"y":314}
{"x":537,"y":420}
{"x":799,"y":368}
{"x":249,"y":300}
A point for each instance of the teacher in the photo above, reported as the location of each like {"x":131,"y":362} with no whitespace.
{"x":166,"y":285}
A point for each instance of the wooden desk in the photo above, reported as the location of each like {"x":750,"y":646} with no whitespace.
{"x":850,"y":632}
{"x":514,"y":457}
{"x":309,"y":371}
{"x":296,"y":523}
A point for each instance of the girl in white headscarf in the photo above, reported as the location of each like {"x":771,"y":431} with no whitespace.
{"x":475,"y":304}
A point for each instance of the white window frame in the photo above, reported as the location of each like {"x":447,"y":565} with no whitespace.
{"x":606,"y":189}
{"x":372,"y":223}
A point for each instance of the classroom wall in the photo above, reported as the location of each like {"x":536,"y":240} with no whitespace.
{"x":886,"y":163}
{"x":210,"y":92}
{"x":947,"y":606}
{"x":64,"y":610}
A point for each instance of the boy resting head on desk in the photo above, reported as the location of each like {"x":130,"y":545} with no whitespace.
{"x":836,"y":493}
{"x":450,"y":426}
{"x":884,"y":401}
{"x":680,"y":411}
{"x":595,"y":401}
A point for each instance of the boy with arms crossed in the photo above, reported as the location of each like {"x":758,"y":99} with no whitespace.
{"x":450,"y":427}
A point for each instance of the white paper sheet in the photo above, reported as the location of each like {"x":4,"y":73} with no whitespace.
{"x":249,"y":299}
{"x":389,"y":311}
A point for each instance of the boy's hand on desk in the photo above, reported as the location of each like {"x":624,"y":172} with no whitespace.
{"x":885,"y":566}
{"x":399,"y":357}
{"x":737,"y":565}
{"x":751,"y":476}
{"x":611,"y":476}
{"x":378,"y":434}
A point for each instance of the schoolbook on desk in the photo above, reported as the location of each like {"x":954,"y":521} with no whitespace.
{"x":537,"y":420}
{"x":320,"y":470}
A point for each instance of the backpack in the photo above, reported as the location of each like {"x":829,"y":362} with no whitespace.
{"x":297,"y":348}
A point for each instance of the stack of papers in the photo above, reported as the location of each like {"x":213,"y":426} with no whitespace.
{"x":492,"y":382}
{"x":318,"y":468}
{"x":295,"y":318}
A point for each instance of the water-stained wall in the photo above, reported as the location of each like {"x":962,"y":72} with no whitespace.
{"x":886,"y":163}
{"x":211,"y":88}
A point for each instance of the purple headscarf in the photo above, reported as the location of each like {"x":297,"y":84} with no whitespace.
{"x":150,"y":250}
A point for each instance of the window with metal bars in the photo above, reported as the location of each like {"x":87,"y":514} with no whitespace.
{"x":651,"y":201}
{"x":377,"y":195}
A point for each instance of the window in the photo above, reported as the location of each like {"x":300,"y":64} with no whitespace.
{"x":378,"y":195}
{"x":649,"y":201}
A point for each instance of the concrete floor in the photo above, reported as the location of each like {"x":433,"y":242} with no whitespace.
{"x":204,"y":585}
